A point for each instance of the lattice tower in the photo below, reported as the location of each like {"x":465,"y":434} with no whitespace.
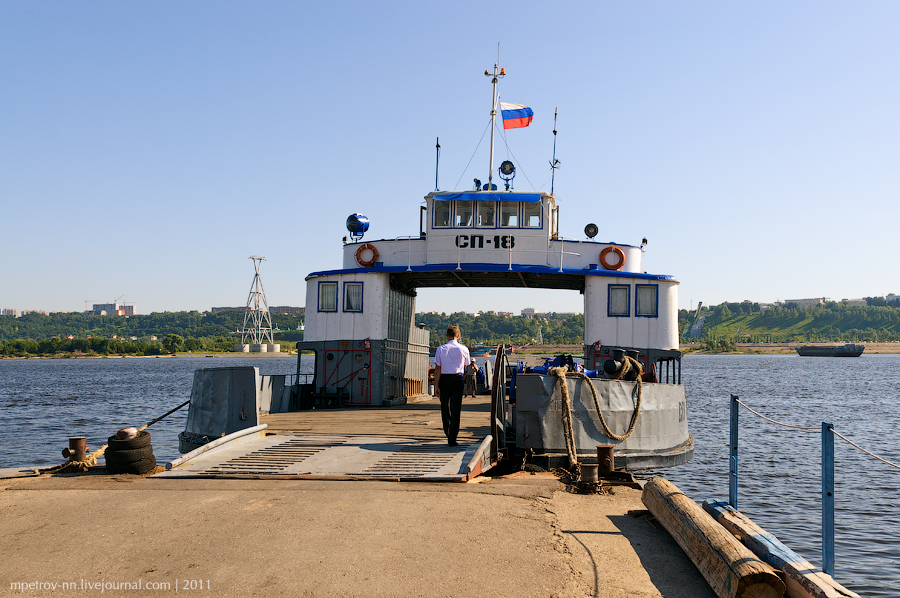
{"x":257,"y":321}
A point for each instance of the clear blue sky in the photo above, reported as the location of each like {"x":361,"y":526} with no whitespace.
{"x":148,"y":148}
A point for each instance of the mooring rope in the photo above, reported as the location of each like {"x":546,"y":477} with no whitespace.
{"x":777,"y":422}
{"x":562,"y":373}
{"x":91,"y":460}
{"x":863,"y":450}
{"x":627,"y":365}
{"x":833,"y":431}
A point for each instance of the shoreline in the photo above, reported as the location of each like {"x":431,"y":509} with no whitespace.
{"x":872,"y":348}
{"x":168,"y":356}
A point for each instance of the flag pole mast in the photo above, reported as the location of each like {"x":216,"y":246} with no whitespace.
{"x":495,"y":77}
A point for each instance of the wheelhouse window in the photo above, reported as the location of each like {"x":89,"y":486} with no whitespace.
{"x":509,"y":214}
{"x":328,"y":296}
{"x":646,"y":300}
{"x":531,"y":215}
{"x":617,"y":305}
{"x":353,"y":297}
{"x":464,"y":214}
{"x":441,"y":211}
{"x":486,"y":214}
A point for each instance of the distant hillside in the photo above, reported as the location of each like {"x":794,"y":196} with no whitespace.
{"x":187,"y":324}
{"x":744,"y":322}
{"x":728,"y":322}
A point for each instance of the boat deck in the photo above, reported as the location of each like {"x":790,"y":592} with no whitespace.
{"x":379,"y":443}
{"x":421,"y":419}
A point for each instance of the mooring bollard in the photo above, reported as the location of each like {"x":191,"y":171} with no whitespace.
{"x":77,"y":450}
{"x":605,"y":460}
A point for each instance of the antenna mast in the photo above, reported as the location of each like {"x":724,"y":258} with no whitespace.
{"x":554,"y":163}
{"x":437,"y":162}
{"x":257,"y":321}
{"x":496,"y":76}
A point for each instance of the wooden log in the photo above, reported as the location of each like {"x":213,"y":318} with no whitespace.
{"x":729,"y":567}
{"x":802,"y":579}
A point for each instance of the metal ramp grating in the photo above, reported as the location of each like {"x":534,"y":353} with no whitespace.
{"x":413,"y":460}
{"x":334,"y":456}
{"x":272,"y":459}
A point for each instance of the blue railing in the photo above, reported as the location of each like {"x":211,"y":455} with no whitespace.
{"x":828,"y":433}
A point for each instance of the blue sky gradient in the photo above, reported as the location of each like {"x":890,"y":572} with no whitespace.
{"x":147,"y":149}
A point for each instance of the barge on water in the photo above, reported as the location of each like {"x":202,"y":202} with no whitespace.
{"x":849,"y":350}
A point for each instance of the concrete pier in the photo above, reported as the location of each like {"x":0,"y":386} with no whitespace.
{"x":518,"y":535}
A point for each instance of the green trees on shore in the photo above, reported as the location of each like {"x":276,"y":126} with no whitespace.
{"x":829,"y":322}
{"x":493,"y":329}
{"x":721,"y":326}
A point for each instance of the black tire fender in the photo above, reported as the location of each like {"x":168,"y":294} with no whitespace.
{"x":132,"y":456}
{"x":141,"y":441}
{"x":136,"y":467}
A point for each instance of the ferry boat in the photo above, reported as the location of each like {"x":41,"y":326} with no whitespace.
{"x":369,"y":351}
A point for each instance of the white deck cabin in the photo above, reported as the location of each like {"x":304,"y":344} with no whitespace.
{"x":495,"y":239}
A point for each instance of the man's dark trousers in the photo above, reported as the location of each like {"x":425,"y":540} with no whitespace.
{"x":452,"y":387}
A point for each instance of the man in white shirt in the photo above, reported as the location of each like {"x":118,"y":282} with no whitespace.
{"x":450,"y":361}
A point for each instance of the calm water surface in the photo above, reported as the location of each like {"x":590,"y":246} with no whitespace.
{"x":43,"y":402}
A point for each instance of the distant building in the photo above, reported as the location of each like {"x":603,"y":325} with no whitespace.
{"x":34,"y":311}
{"x":528,"y":312}
{"x":8,"y":311}
{"x":216,"y":310}
{"x":891,"y":297}
{"x":856,"y":302}
{"x":276,"y":310}
{"x":287,"y":310}
{"x":807,"y":302}
{"x":112,"y":309}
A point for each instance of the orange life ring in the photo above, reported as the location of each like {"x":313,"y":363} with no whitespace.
{"x":366,"y":263}
{"x":620,"y":261}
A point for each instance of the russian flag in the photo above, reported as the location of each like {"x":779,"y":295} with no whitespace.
{"x":515,"y":116}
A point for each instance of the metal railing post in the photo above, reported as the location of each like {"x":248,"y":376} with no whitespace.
{"x":828,"y":498}
{"x":733,"y":455}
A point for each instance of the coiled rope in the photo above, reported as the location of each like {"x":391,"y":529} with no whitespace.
{"x":91,"y":460}
{"x":838,"y":434}
{"x":562,"y":373}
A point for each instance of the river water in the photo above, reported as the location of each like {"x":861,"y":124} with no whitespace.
{"x":44,"y":401}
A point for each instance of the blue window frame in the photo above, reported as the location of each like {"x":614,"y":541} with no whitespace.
{"x":442,"y":214}
{"x":531,"y":215}
{"x":463,"y":214}
{"x":353,"y":297}
{"x":618,"y":304}
{"x":487,"y":210}
{"x":509,"y":214}
{"x":328,"y":296}
{"x":646,"y":300}
{"x":486,"y":214}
